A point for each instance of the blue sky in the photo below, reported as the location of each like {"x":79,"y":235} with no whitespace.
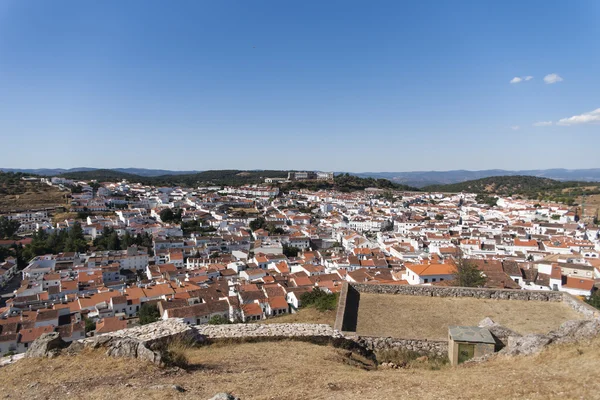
{"x":330,"y":85}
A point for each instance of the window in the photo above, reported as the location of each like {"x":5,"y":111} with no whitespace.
{"x":426,"y":280}
{"x":441,"y":279}
{"x":433,"y":280}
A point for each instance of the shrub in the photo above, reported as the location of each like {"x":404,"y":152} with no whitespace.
{"x":175,"y":353}
{"x":148,"y":314}
{"x":404,"y":358}
{"x":218,"y":320}
{"x":89,"y":325}
{"x":319,"y":299}
{"x":594,"y":299}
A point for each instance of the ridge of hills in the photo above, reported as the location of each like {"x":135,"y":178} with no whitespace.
{"x":410,"y":178}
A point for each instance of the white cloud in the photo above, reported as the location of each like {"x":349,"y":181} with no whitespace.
{"x":515,"y":127}
{"x":585,"y":118}
{"x":552,"y":78}
{"x":543,"y":123}
{"x":519,"y":79}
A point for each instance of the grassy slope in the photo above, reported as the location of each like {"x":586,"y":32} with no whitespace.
{"x":429,"y":317}
{"x":294,"y":370}
{"x":29,"y":195}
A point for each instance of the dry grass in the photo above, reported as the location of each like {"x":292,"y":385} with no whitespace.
{"x":176,"y":353}
{"x":308,"y":315}
{"x":31,"y":195}
{"x":592,"y":204}
{"x":297,"y":370}
{"x":413,"y":317}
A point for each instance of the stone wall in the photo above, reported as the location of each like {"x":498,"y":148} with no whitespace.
{"x":346,"y":317}
{"x":169,"y":329}
{"x":442,"y":291}
{"x":581,"y":307}
{"x":421,"y":346}
{"x":481,"y":293}
{"x":239,"y":331}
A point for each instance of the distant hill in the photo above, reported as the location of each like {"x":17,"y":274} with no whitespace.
{"x":344,"y":182}
{"x":214,"y":177}
{"x":349,"y":183}
{"x":135,"y":171}
{"x":410,"y":178}
{"x":426,"y":178}
{"x":110,"y":175}
{"x":507,"y":185}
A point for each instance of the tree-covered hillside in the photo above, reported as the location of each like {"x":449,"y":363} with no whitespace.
{"x":529,"y":186}
{"x":348,"y":183}
{"x":234,"y":177}
{"x":215,"y":177}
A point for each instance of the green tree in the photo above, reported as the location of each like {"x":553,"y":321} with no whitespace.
{"x":113,"y":241}
{"x":290,"y":251}
{"x":594,"y":299}
{"x":486,"y":199}
{"x":89,"y":325}
{"x":388,"y":195}
{"x":8,"y":228}
{"x":167,"y":215}
{"x":439,"y":217}
{"x":148,"y":314}
{"x":257,"y":224}
{"x":75,"y":240}
{"x":218,"y":320}
{"x":467,"y":273}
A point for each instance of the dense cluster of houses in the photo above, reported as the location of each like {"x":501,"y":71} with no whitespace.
{"x":222,"y":269}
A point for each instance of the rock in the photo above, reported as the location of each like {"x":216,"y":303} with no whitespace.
{"x":573,"y":331}
{"x":224,"y":396}
{"x":123,"y":348}
{"x":178,"y":388}
{"x":127,"y":347}
{"x":46,"y":345}
{"x":333,"y":386}
{"x":499,"y":332}
{"x":526,"y":345}
{"x":487,"y":321}
{"x":173,"y":387}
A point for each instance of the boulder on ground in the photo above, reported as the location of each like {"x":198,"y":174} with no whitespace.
{"x":499,"y":332}
{"x":573,"y":331}
{"x":224,"y":396}
{"x":47,"y":345}
{"x":526,"y":345}
{"x":119,"y":347}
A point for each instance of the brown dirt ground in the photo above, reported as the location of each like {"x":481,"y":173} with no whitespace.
{"x":413,"y":317}
{"x":592,"y":204}
{"x":297,"y":370}
{"x":32,"y":196}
